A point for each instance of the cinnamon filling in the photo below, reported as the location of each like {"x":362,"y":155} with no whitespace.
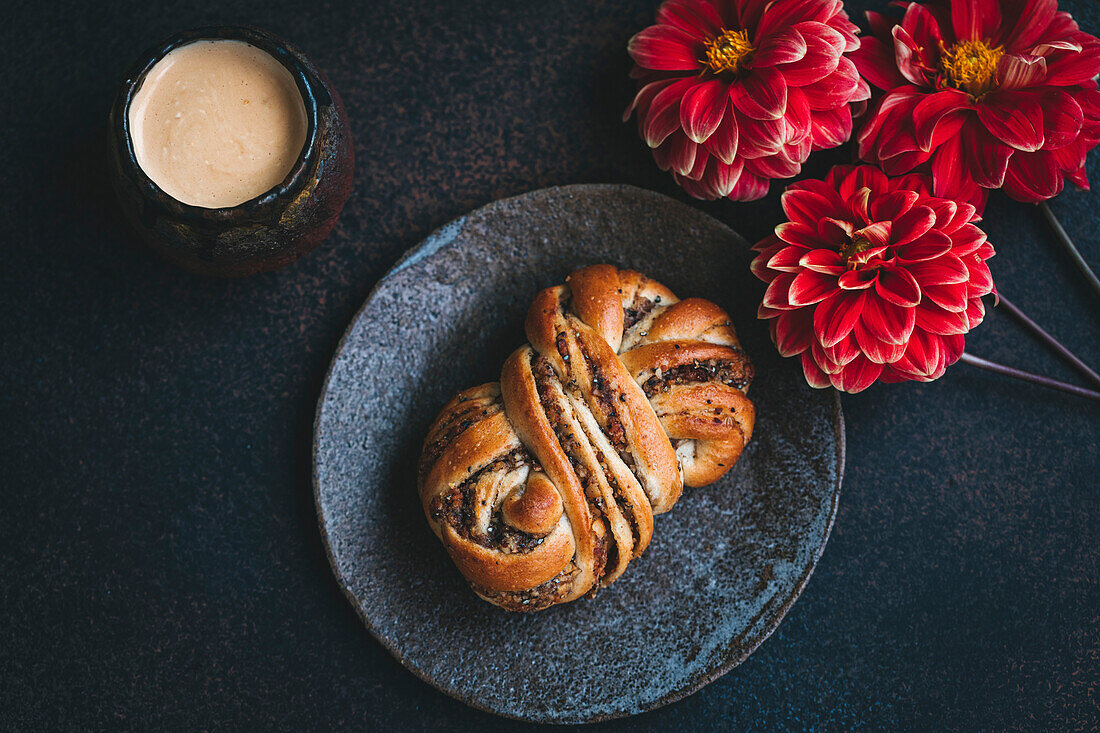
{"x":734,"y":372}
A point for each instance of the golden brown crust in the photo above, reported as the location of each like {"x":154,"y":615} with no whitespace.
{"x":544,"y":487}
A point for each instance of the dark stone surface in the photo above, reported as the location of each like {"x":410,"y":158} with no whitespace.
{"x":160,"y":563}
{"x":701,"y":598}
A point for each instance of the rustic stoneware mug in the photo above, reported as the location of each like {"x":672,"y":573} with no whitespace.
{"x":263,"y":233}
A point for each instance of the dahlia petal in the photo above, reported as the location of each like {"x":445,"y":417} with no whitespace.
{"x":946,"y":211}
{"x":1015,"y":118}
{"x":875,"y":62}
{"x":857,"y":279}
{"x":1073,"y":68}
{"x":974,"y":20}
{"x":787,"y":259}
{"x":891,"y":114}
{"x":1062,"y":118}
{"x":917,"y":182}
{"x":699,"y":167}
{"x":933,"y":319}
{"x":986,"y":157}
{"x":975,"y":313}
{"x":1079,"y":178}
{"x":824,"y":188}
{"x":836,"y":316}
{"x":953,"y":347}
{"x":761,"y":94}
{"x":875,"y":349}
{"x":815,"y":377}
{"x":857,"y":376}
{"x":824,"y":46}
{"x":776,"y":294}
{"x":784,"y":47}
{"x":829,"y":128}
{"x":980,"y":280}
{"x":759,"y":138}
{"x":644,"y":98}
{"x":932,"y":245}
{"x":677,"y":154}
{"x":912,"y":225}
{"x":834,"y":231}
{"x":702,"y":108}
{"x":665,"y":48}
{"x":849,"y":179}
{"x":805,"y":206}
{"x":785,"y":13}
{"x":923,"y":357}
{"x":698,"y":20}
{"x":898,"y":287}
{"x":773,"y":166}
{"x":880,"y":24}
{"x":902,"y":140}
{"x":824,"y":32}
{"x":878,"y":234}
{"x":821,"y":357}
{"x":923,"y":27}
{"x":798,"y":118}
{"x":799,"y":234}
{"x":907,"y":55}
{"x":939,"y":116}
{"x":888,"y":322}
{"x":835,"y":89}
{"x":949,"y":297}
{"x":1016,"y":71}
{"x":749,"y":188}
{"x":949,"y":172}
{"x":893,"y":205}
{"x":1033,"y":177}
{"x":859,"y":206}
{"x":1028,"y":24}
{"x":699,"y":188}
{"x":793,"y":332}
{"x":967,"y":239}
{"x":1048,"y":47}
{"x":825,"y":261}
{"x":966,"y":214}
{"x":725,"y":177}
{"x":723,"y":143}
{"x":663,"y":117}
{"x":809,"y":287}
{"x":843,"y":352}
{"x":945,"y":270}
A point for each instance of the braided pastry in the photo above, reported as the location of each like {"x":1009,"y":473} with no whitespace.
{"x":544,"y":486}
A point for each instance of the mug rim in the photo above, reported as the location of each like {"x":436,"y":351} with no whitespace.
{"x":305,"y":80}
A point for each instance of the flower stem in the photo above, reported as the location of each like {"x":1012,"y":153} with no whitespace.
{"x":1071,"y":248}
{"x":1049,"y":340}
{"x":1029,"y":377}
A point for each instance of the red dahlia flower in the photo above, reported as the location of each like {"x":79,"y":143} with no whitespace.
{"x":872,"y":278}
{"x":985,"y":93}
{"x":733,"y":93}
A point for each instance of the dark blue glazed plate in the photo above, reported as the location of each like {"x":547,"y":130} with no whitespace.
{"x":724,"y":565}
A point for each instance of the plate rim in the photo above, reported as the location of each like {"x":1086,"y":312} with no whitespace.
{"x":442,"y":237}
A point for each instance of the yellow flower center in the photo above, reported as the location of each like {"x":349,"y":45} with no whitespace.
{"x":728,"y":51}
{"x":851,"y":251}
{"x":971,"y":66}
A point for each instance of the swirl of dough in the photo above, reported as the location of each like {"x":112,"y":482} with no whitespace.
{"x":543,"y":487}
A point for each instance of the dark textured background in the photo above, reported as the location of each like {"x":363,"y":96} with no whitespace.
{"x":160,"y":563}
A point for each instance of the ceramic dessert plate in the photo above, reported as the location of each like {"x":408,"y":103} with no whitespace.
{"x":725,"y":563}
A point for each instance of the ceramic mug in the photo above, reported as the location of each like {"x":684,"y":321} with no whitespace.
{"x":263,"y":233}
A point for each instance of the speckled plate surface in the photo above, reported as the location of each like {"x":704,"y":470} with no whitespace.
{"x":724,"y":565}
